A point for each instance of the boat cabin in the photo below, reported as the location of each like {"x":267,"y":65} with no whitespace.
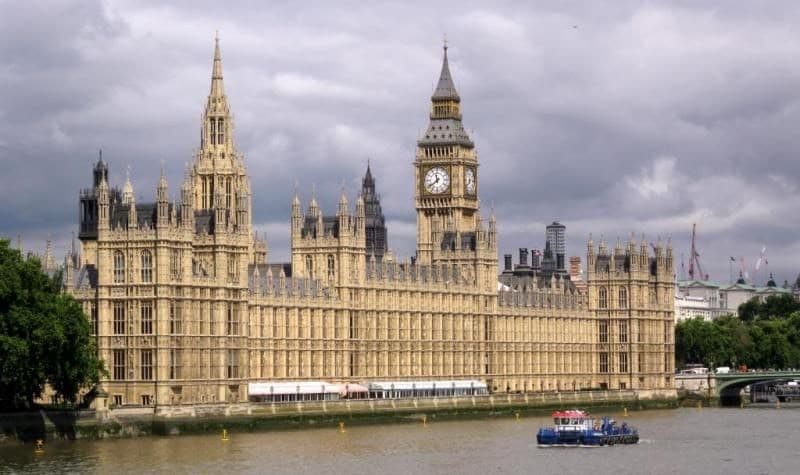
{"x":572,"y":420}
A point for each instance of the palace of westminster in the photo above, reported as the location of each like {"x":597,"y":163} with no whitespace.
{"x":186,"y":307}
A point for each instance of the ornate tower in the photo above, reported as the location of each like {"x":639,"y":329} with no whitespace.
{"x":219,"y":169}
{"x":446,"y":175}
{"x":328,"y":248}
{"x":375,"y":222}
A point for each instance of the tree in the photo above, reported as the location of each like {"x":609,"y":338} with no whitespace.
{"x":750,"y":310}
{"x":779,"y":306}
{"x":45,"y":338}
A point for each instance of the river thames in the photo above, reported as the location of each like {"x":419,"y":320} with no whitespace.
{"x":747,"y":441}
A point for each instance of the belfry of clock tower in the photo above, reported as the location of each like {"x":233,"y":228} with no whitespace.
{"x":446,"y":170}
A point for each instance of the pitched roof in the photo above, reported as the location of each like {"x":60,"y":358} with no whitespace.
{"x":445,"y":89}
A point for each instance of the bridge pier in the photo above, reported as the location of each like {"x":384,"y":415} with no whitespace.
{"x":729,"y":385}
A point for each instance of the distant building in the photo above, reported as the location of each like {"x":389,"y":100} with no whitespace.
{"x":375,"y":223}
{"x":576,"y":273}
{"x":713,"y":300}
{"x":556,"y":238}
{"x":688,"y":307}
{"x":543,"y":265}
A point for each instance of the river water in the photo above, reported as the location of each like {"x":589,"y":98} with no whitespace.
{"x":748,"y":441}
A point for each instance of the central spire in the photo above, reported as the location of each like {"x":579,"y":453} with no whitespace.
{"x":216,"y":123}
{"x":217,"y":89}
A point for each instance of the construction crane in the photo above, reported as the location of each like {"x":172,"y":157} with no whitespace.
{"x":694,"y":259}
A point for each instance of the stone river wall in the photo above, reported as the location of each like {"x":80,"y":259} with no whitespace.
{"x":247,"y":417}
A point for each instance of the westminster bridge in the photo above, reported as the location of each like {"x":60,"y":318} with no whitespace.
{"x":728,"y":386}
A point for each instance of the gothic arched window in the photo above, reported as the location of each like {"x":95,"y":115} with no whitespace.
{"x":623,"y":297}
{"x":309,"y":267}
{"x":213,"y":131}
{"x":331,"y":264}
{"x":147,"y":266}
{"x":119,"y":267}
{"x":602,"y":298}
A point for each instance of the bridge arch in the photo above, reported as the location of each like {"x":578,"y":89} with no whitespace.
{"x":728,"y":386}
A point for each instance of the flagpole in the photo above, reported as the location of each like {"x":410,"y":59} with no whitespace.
{"x":730,"y":271}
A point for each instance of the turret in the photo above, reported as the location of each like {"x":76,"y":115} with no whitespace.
{"x":48,"y":261}
{"x":162,"y":203}
{"x":643,"y":252}
{"x":493,"y":231}
{"x":660,"y":259}
{"x":297,"y":216}
{"x":100,"y":171}
{"x":313,"y":208}
{"x":360,"y":216}
{"x":631,"y":252}
{"x":69,"y":272}
{"x":256,"y":281}
{"x":669,"y":254}
{"x":320,"y":225}
{"x":343,"y":214}
{"x":260,"y":250}
{"x":127,"y":189}
{"x":132,"y":217}
{"x":103,"y":204}
{"x":187,"y":213}
{"x":281,"y":281}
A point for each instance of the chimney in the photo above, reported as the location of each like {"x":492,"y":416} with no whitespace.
{"x":507,"y":258}
{"x":523,"y":257}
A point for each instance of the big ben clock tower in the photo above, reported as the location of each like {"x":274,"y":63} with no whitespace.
{"x":446,"y":185}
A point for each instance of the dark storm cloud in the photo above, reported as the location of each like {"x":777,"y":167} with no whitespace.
{"x":614,"y":118}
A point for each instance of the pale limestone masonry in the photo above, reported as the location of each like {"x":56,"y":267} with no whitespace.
{"x":186,"y":308}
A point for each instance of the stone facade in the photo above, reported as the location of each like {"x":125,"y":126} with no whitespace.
{"x":631,"y":296}
{"x":186,"y":308}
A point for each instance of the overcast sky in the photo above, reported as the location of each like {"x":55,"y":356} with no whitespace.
{"x":612,"y":117}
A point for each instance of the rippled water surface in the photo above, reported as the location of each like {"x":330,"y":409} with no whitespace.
{"x":752,"y":440}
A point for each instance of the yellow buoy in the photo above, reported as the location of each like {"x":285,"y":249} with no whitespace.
{"x":424,"y":420}
{"x":625,"y":409}
{"x":225,"y":434}
{"x":39,"y":446}
{"x":341,"y":428}
{"x":777,"y":404}
{"x":517,"y":414}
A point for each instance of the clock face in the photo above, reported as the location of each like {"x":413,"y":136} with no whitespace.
{"x":469,"y":181}
{"x":437,"y":180}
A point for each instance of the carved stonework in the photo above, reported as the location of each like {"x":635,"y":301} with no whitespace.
{"x":338,"y":313}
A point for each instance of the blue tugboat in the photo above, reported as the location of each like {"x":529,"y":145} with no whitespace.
{"x":577,"y":429}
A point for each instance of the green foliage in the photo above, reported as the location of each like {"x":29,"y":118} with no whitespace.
{"x":775,"y":306}
{"x":44,"y":335}
{"x":766,"y":335}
